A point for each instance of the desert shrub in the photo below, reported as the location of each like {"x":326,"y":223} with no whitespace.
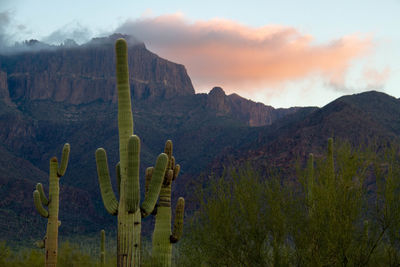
{"x":341,"y":210}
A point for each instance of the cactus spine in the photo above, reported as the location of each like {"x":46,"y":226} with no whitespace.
{"x":102,"y":250}
{"x":127,"y":208}
{"x":50,"y":241}
{"x":162,"y":236}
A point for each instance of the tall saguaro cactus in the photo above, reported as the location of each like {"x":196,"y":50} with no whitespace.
{"x":50,"y":241}
{"x":102,"y":248}
{"x":331,"y":164}
{"x":163,"y":238}
{"x":310,"y":177}
{"x":127,"y":208}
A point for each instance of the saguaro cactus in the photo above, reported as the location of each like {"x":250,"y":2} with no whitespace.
{"x":127,"y":208}
{"x":50,"y":241}
{"x":331,"y":164}
{"x":310,"y":177}
{"x":102,"y":249}
{"x":162,"y":236}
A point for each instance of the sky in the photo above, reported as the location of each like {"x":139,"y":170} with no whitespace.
{"x":281,"y":53}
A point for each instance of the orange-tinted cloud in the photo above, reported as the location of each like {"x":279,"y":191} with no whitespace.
{"x":376,"y":79}
{"x":238,"y":57}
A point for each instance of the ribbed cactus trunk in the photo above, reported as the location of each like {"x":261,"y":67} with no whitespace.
{"x":50,"y":241}
{"x":126,"y":236}
{"x":52,"y":222}
{"x":127,"y":208}
{"x":163,"y":238}
{"x":162,"y":247}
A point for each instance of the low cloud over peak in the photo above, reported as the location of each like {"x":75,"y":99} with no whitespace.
{"x":4,"y":21}
{"x":240,"y":57}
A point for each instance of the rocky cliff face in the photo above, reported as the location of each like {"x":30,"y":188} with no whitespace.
{"x":85,"y":74}
{"x":4,"y":94}
{"x":254,"y":114}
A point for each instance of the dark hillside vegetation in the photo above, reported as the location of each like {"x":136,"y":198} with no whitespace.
{"x":331,"y":216}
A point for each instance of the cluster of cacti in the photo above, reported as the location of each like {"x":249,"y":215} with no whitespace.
{"x":127,"y":208}
{"x":162,"y":236}
{"x":50,"y":241}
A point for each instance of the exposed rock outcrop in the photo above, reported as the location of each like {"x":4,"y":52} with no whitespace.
{"x":84,"y":74}
{"x":4,"y":93}
{"x":254,"y":113}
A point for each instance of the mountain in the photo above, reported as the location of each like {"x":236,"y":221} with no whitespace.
{"x":52,"y":95}
{"x":84,"y":74}
{"x":235,"y":106}
{"x":359,"y":118}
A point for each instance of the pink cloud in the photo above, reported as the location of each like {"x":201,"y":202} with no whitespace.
{"x":374,"y":78}
{"x":239,"y":57}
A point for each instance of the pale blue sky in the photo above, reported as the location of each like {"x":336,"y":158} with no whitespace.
{"x":325,"y":21}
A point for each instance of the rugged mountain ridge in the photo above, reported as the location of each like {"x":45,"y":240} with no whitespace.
{"x":77,"y":75}
{"x":256,"y":114}
{"x":365,"y":118}
{"x":85,"y":74}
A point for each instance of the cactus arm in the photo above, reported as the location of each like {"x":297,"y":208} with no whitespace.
{"x":168,"y":151}
{"x":172,"y":161}
{"x":118,"y":175}
{"x":107,"y":194}
{"x":43,"y":198}
{"x":40,"y":244}
{"x":149,"y":174}
{"x":155,"y":185}
{"x":177,"y":169}
{"x":132,"y":181}
{"x":170,"y":175}
{"x":178,"y":223}
{"x":64,"y":160}
{"x":38,"y":204}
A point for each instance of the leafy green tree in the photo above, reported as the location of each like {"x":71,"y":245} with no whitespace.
{"x":342,"y":210}
{"x":333,"y":204}
{"x":234,"y":226}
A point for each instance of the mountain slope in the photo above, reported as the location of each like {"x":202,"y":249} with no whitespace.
{"x":360,"y":118}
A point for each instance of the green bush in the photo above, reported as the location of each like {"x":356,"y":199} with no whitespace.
{"x":342,"y":210}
